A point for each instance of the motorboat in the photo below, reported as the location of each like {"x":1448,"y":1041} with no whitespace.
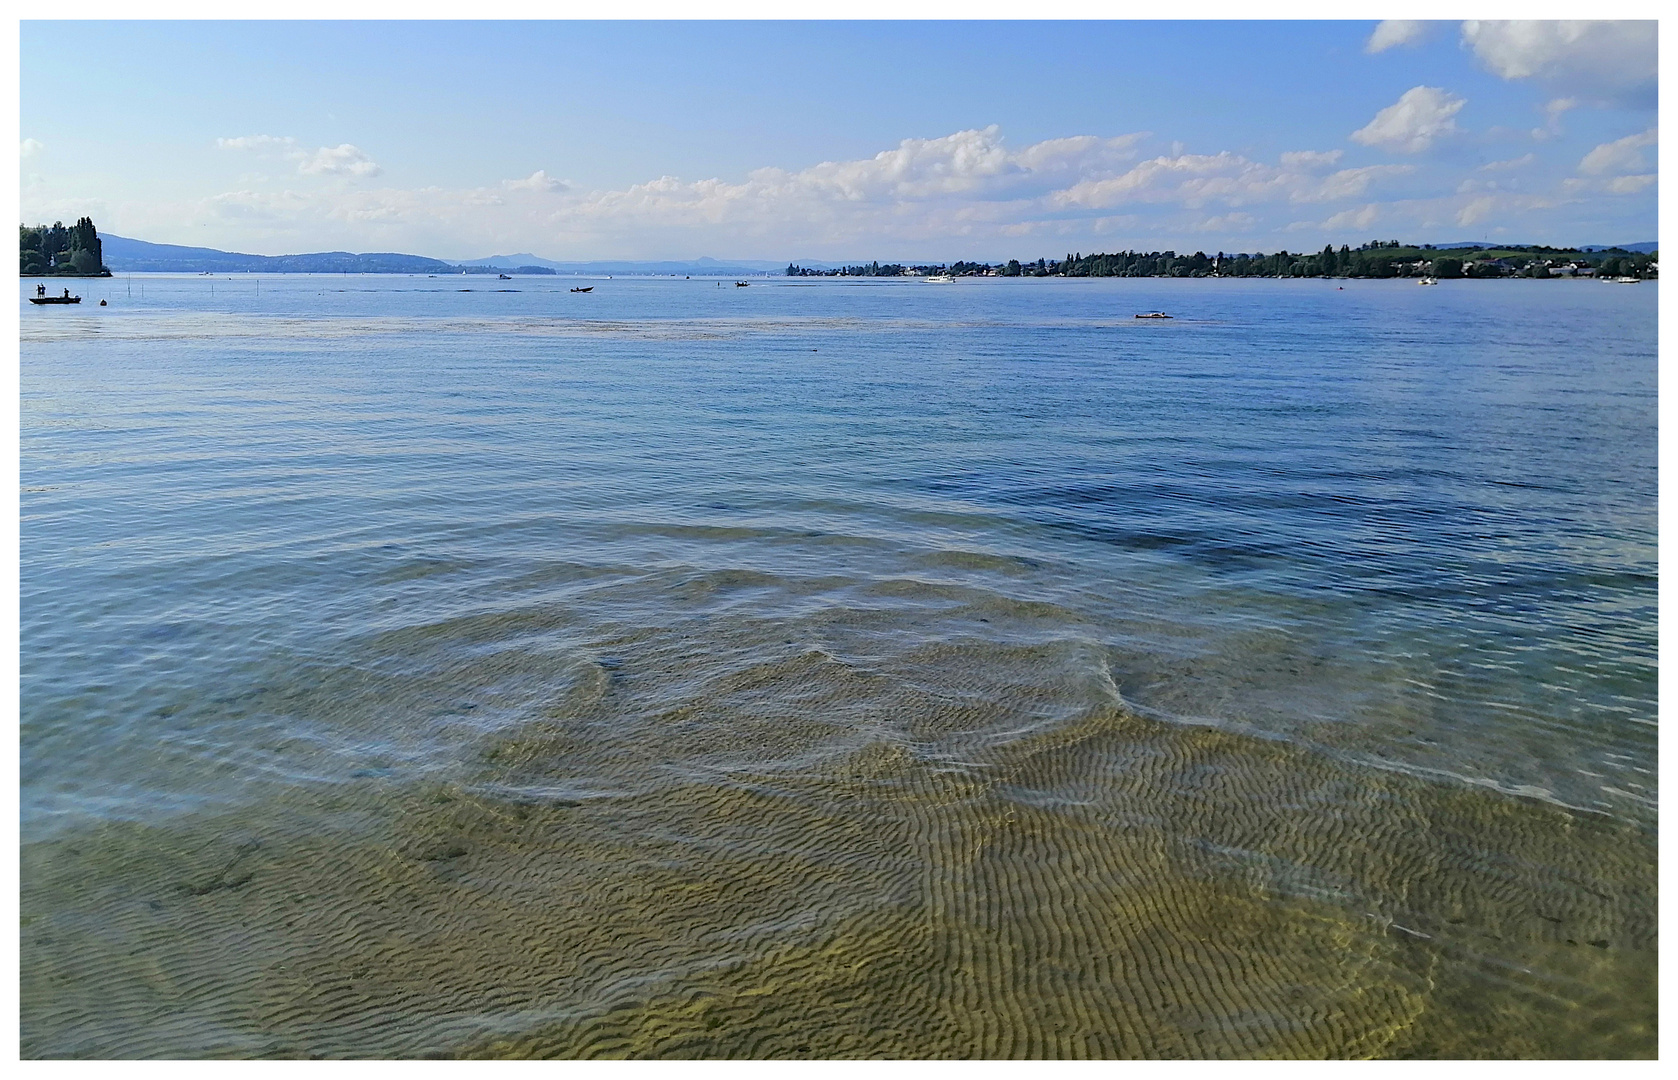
{"x":741,"y":284}
{"x":65,"y":299}
{"x":1428,"y":281}
{"x":1626,"y":280}
{"x":1153,"y":315}
{"x":939,"y":279}
{"x":587,"y":289}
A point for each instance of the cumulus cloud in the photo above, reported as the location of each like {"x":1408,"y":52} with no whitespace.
{"x":1606,"y":60}
{"x":968,"y":184}
{"x":1476,"y":210}
{"x":1630,"y":185}
{"x":1620,"y":156}
{"x":1421,"y":116}
{"x":1311,"y":159}
{"x":969,"y":193}
{"x":1391,"y":33}
{"x":1359,"y":217}
{"x":341,"y":160}
{"x":1348,"y":183}
{"x":1194,"y":180}
{"x":1553,"y":110}
{"x":1503,"y":205}
{"x":30,"y":147}
{"x":536,"y":181}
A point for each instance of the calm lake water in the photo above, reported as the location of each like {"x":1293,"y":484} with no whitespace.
{"x":457,"y":667}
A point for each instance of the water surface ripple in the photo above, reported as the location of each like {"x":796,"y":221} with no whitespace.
{"x":838,"y":669}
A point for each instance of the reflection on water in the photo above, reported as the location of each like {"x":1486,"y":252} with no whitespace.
{"x":840,"y":671}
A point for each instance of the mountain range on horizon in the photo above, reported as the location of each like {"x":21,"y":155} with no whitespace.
{"x":125,"y":254}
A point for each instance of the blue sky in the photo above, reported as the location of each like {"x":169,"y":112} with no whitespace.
{"x":831,"y":141}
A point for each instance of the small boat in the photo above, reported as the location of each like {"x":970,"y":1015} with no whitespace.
{"x":589,"y":289}
{"x":55,"y":299}
{"x":1153,"y":315}
{"x":1428,"y":281}
{"x":939,"y":279}
{"x":1626,"y":280}
{"x":741,"y":284}
{"x":503,"y":277}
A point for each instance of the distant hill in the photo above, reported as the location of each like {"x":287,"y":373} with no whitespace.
{"x":704,"y":266}
{"x":122,"y":253}
{"x":1643,"y":248}
{"x":125,"y":254}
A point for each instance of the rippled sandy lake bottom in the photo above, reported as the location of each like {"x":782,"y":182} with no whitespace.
{"x":838,"y":670}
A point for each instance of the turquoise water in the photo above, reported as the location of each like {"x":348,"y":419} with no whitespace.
{"x":838,"y":668}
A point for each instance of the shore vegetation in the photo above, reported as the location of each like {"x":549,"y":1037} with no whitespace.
{"x":56,"y":251}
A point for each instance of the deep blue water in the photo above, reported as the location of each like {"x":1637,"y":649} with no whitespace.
{"x":309,"y":533}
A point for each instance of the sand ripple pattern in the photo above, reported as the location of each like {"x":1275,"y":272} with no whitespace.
{"x":977,"y":872}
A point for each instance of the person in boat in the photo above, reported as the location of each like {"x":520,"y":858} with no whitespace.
{"x":66,"y":294}
{"x":40,"y":290}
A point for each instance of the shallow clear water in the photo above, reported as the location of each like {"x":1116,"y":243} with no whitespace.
{"x":823,"y":669}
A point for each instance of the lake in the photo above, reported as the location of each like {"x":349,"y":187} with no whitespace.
{"x":838,"y":668}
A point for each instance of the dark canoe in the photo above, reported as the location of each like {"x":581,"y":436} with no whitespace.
{"x":55,"y":299}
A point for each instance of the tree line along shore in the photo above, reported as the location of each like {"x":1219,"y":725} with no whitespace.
{"x":56,"y":251}
{"x":1377,"y":259}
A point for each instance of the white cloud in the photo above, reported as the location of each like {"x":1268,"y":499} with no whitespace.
{"x":1552,"y":117}
{"x":1555,"y":107}
{"x":257,"y":142}
{"x":1603,"y":60}
{"x":30,"y":147}
{"x":1311,"y":159}
{"x":1236,"y":221}
{"x":1620,"y":156}
{"x":1349,"y":183}
{"x":340,"y":160}
{"x":1476,"y":210}
{"x":1504,"y":205}
{"x":1412,"y":124}
{"x":1194,"y":180}
{"x":1394,"y":32}
{"x":536,"y":181}
{"x":967,"y":194}
{"x":1630,"y":185}
{"x":1360,"y":217}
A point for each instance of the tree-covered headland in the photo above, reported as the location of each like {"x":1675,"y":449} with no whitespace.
{"x":56,"y":251}
{"x":1376,"y":259}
